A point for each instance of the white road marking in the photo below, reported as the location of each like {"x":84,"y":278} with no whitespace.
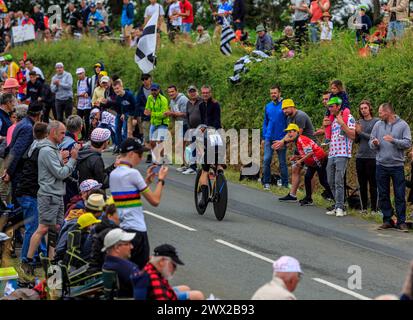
{"x":327,"y":283}
{"x":169,"y":220}
{"x":233,"y":246}
{"x":344,"y":290}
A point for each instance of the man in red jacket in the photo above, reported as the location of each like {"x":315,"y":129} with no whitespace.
{"x":311,"y":155}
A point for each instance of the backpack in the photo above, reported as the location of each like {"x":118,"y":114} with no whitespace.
{"x":89,"y":86}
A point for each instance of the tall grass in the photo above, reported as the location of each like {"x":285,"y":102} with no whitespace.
{"x":386,"y":77}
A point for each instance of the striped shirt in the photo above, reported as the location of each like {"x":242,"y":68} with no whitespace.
{"x":126,"y":185}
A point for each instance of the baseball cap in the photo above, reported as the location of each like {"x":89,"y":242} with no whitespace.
{"x":104,"y":79}
{"x":59,"y":65}
{"x":286,"y":264}
{"x":292,"y":126}
{"x":103,"y":73}
{"x":287,"y":103}
{"x":190,"y":88}
{"x":334,"y":100}
{"x":100,"y":135}
{"x":80,"y":70}
{"x":8,"y":57}
{"x":3,"y":237}
{"x":155,"y":86}
{"x":99,"y":1}
{"x":95,"y":202}
{"x":114,"y":236}
{"x":35,"y":107}
{"x":132,"y":144}
{"x":98,"y":65}
{"x":92,"y":5}
{"x":166,"y":250}
{"x":89,"y":184}
{"x":86,"y":220}
{"x":363,"y":7}
{"x":2,"y":59}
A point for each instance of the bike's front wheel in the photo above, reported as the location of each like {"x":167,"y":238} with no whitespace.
{"x":221,"y":197}
{"x":198,"y":194}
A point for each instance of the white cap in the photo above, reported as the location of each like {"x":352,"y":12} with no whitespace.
{"x":99,"y":1}
{"x":2,"y":59}
{"x":286,"y":264}
{"x":114,"y":236}
{"x":59,"y":64}
{"x":104,"y":79}
{"x":80,"y":70}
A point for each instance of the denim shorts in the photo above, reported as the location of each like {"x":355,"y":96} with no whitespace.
{"x":182,"y":295}
{"x":186,"y":27}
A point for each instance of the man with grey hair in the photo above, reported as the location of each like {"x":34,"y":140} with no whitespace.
{"x":61,"y":85}
{"x":118,"y":247}
{"x":53,"y":168}
{"x":286,"y":276}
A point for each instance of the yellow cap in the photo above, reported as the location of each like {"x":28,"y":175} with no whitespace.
{"x":288,"y":103}
{"x":292,"y":126}
{"x":86,"y":220}
{"x":103,"y":73}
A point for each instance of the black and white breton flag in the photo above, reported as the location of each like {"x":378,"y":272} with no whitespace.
{"x":226,"y":37}
{"x":145,"y":52}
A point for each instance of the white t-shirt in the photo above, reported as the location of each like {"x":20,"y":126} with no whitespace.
{"x":174,"y":9}
{"x":126,"y":185}
{"x":326,"y":30}
{"x":152,"y":8}
{"x":340,"y":145}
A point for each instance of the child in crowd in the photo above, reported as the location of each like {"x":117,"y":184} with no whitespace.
{"x":337,"y":90}
{"x":326,"y":28}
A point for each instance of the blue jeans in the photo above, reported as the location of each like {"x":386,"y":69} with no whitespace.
{"x":118,"y":130}
{"x":383,"y":176}
{"x":186,"y":27}
{"x":121,"y":129}
{"x":314,"y":37}
{"x":282,"y":159}
{"x":395,"y":30}
{"x":31,"y":222}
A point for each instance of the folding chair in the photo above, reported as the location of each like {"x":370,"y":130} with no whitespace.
{"x":110,"y":284}
{"x":72,"y":258}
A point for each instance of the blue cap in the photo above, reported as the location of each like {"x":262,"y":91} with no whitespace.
{"x":155,"y":86}
{"x":92,"y":5}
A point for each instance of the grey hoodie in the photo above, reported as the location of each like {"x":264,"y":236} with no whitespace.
{"x":52,"y":171}
{"x":391,"y":154}
{"x":64,"y":91}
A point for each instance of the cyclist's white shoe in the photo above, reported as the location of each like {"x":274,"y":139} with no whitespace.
{"x":189,"y":171}
{"x":331,"y":212}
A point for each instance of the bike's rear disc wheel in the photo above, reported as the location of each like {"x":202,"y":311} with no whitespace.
{"x":198,"y":194}
{"x":220,"y":203}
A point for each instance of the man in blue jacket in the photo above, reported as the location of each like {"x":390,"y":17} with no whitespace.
{"x":21,"y":140}
{"x":128,"y":15}
{"x":127,"y":119}
{"x":273,"y":128}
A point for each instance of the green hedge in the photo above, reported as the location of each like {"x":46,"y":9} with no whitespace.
{"x":386,"y":77}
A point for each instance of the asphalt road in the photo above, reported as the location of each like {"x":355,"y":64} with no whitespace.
{"x":232,"y":258}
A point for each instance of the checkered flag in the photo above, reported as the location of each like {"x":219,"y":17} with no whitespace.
{"x":145,"y":52}
{"x":226,"y":37}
